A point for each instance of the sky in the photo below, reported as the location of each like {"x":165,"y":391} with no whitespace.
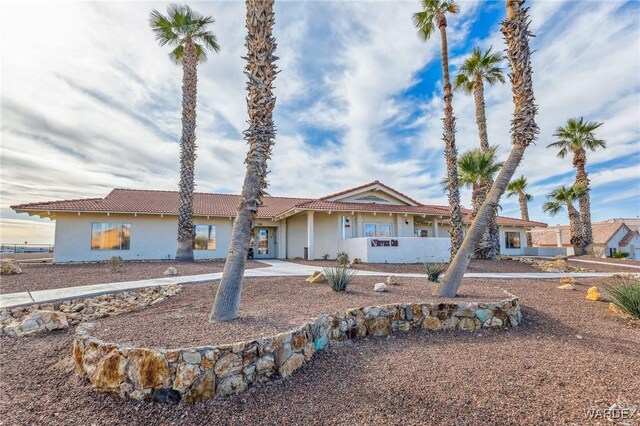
{"x":91,"y":102}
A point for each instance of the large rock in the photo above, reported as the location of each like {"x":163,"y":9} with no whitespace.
{"x":380,"y":288}
{"x":294,"y":362}
{"x":229,"y":364}
{"x":593,"y":294}
{"x":391,"y":280}
{"x":566,"y":287}
{"x":37,"y":322}
{"x":148,"y":369}
{"x":171,"y":271}
{"x":186,"y":374}
{"x":231,"y":385}
{"x":110,"y":372}
{"x":9,"y":267}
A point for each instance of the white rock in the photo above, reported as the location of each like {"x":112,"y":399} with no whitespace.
{"x":171,"y":271}
{"x":380,"y":287}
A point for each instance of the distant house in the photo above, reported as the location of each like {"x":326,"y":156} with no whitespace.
{"x":373,"y":222}
{"x":609,"y":237}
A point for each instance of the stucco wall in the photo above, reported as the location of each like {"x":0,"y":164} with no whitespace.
{"x":503,"y":243}
{"x":152,"y":237}
{"x":409,"y":250}
{"x":326,"y":233}
{"x":296,"y":235}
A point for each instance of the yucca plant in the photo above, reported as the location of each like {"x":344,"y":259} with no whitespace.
{"x":339,"y":278}
{"x":434,"y":270}
{"x":626,"y":296}
{"x":342,"y":258}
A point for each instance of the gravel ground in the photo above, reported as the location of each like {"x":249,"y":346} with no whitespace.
{"x":538,"y":373}
{"x":608,"y":260}
{"x":45,"y":276}
{"x":476,"y":265}
{"x":602,"y":268}
{"x":288,"y":303}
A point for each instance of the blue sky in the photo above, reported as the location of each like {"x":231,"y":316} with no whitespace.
{"x":96,"y":105}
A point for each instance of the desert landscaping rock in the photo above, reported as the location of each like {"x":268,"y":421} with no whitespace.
{"x":380,"y":288}
{"x":9,"y":267}
{"x":171,"y":271}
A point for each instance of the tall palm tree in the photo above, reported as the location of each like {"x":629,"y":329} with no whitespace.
{"x":261,"y":72}
{"x":476,"y":169}
{"x":523,"y":132}
{"x":432,"y":15}
{"x":519,"y":187}
{"x":186,"y":31}
{"x":482,"y":66}
{"x":577,"y":136}
{"x":565,"y":197}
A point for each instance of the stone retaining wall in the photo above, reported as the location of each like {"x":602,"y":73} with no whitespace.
{"x":197,"y":374}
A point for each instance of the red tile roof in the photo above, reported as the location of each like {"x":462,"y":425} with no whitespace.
{"x":166,"y":202}
{"x":375,"y":182}
{"x":501,"y":220}
{"x":162,"y":202}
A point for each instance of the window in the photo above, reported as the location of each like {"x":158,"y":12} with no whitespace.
{"x":512,"y":240}
{"x":205,"y":238}
{"x":369,"y":230}
{"x":422,"y":233}
{"x":384,"y":231}
{"x":110,"y":236}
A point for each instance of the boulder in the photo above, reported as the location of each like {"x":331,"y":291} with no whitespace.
{"x":593,"y":294}
{"x":567,"y":280}
{"x":355,"y":261}
{"x":391,"y":280}
{"x":566,"y":287}
{"x":9,"y":267}
{"x":171,"y":271}
{"x":317,"y":279}
{"x":380,"y":288}
{"x":315,"y":274}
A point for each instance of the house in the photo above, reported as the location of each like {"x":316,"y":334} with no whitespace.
{"x":609,"y":238}
{"x":373,"y":222}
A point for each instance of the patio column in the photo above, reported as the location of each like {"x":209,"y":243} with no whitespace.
{"x":435,"y":228}
{"x":559,"y":237}
{"x":310,"y":241}
{"x":283,"y":240}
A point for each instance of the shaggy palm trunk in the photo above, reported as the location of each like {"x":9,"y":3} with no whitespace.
{"x":184,"y":251}
{"x":261,"y":71}
{"x":582,"y":178}
{"x":449,"y":136}
{"x":575,"y":228}
{"x":523,"y":132}
{"x":489,"y":246}
{"x":524,"y":214}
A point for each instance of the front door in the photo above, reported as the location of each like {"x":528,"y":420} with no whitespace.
{"x":264,"y":243}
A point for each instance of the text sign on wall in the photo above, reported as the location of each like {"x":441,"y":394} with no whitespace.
{"x":384,"y":243}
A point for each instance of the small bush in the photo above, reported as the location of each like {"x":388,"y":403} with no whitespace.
{"x":339,"y":278}
{"x":620,"y":255}
{"x":343,"y":258}
{"x":325,"y":256}
{"x":434,"y":270}
{"x":626,"y":296}
{"x":115,"y":263}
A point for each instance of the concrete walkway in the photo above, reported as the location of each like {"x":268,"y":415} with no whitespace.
{"x":277,"y":268}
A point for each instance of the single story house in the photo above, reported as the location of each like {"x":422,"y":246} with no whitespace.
{"x":609,"y":238}
{"x":373,"y":222}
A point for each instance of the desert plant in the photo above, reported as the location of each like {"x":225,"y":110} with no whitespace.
{"x":325,"y":256}
{"x":620,"y":255}
{"x":339,"y":278}
{"x":626,"y":296}
{"x":343,"y":258}
{"x":434,"y":270}
{"x":115,"y":263}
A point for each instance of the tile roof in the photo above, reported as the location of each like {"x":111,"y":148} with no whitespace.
{"x":501,"y":220}
{"x":602,"y":233}
{"x":324,"y":205}
{"x":627,"y":238}
{"x":162,"y":202}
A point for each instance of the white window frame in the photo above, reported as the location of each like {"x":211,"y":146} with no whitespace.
{"x":507,"y":241}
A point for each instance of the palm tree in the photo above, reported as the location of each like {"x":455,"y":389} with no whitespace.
{"x":261,"y":72}
{"x":476,"y":169}
{"x":480,"y":67}
{"x":562,"y":197}
{"x":433,"y":15}
{"x":577,"y":136}
{"x":519,"y":187}
{"x":186,"y":31}
{"x":523,"y":132}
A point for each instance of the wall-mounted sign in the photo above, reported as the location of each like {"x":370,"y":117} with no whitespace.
{"x":384,"y":243}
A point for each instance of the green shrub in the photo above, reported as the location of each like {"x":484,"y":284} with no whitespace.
{"x":626,"y":296}
{"x":115,"y":263}
{"x":620,"y":255}
{"x":343,"y":258}
{"x":434,"y":270}
{"x":339,"y":278}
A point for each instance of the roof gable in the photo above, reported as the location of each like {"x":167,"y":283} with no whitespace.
{"x":372,"y":193}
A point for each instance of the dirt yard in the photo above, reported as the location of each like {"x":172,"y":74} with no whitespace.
{"x":570,"y":356}
{"x":44,"y":276}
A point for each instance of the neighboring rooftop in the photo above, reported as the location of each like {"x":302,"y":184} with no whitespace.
{"x":602,"y":233}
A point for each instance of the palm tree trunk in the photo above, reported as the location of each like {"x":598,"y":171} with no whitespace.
{"x":524,"y":214}
{"x":184,"y":251}
{"x":582,"y":178}
{"x":575,"y":229}
{"x":450,"y":150}
{"x":261,"y":71}
{"x":523,"y":132}
{"x":489,"y":246}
